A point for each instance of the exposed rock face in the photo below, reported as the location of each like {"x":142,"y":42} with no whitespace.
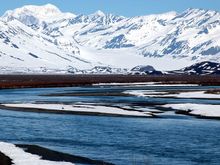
{"x":148,"y":70}
{"x":202,"y":68}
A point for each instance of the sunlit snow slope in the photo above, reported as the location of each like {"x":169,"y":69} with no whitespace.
{"x":44,"y":39}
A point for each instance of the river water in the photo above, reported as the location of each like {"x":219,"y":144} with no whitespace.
{"x":170,"y":140}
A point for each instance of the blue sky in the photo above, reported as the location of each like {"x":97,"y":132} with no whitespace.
{"x":120,"y":7}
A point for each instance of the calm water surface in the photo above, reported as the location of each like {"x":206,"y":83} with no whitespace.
{"x":172,"y":140}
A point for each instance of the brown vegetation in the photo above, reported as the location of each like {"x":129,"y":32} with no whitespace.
{"x":21,"y":81}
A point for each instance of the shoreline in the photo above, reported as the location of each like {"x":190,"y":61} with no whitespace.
{"x":187,"y":113}
{"x":5,"y":160}
{"x":39,"y":81}
{"x":51,"y":155}
{"x":82,"y":113}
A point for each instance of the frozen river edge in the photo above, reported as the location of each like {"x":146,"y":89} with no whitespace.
{"x":18,"y":154}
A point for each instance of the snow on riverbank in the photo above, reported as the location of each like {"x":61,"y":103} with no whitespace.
{"x":20,"y":157}
{"x":142,"y":84}
{"x":197,"y":94}
{"x":206,"y":110}
{"x":144,"y":93}
{"x":82,"y":108}
{"x":192,"y":94}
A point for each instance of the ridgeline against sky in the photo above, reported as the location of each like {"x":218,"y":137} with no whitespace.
{"x":119,"y":7}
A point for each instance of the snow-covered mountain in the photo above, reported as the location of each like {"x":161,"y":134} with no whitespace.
{"x":43,"y":39}
{"x":202,"y":68}
{"x":144,"y":70}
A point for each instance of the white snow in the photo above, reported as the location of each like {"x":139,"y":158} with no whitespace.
{"x":206,"y":110}
{"x":143,"y":84}
{"x":46,"y":13}
{"x":125,"y":84}
{"x":144,"y":93}
{"x":192,"y":94}
{"x":196,"y":94}
{"x":63,"y":40}
{"x":20,"y":157}
{"x":82,"y":108}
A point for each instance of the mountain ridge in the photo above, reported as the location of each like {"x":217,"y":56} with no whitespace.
{"x":167,"y":41}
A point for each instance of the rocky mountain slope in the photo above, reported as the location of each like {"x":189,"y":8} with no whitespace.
{"x":202,"y":68}
{"x":44,"y":39}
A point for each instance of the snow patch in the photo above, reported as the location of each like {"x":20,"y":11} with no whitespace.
{"x":20,"y":157}
{"x":206,"y":110}
{"x":82,"y":108}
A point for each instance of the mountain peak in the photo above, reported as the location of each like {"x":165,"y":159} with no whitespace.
{"x":41,"y":12}
{"x":50,"y":6}
{"x":199,"y":10}
{"x":99,"y":13}
{"x":32,"y":14}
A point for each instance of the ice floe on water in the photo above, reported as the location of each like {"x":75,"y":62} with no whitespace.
{"x":188,"y":94}
{"x":90,"y":109}
{"x":195,"y":94}
{"x":203,"y":110}
{"x":122,"y":84}
{"x":144,"y":93}
{"x":20,"y":157}
{"x":143,"y":84}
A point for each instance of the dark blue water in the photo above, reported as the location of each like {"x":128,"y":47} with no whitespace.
{"x":165,"y":141}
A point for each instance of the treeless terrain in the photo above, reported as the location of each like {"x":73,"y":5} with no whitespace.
{"x":24,"y":81}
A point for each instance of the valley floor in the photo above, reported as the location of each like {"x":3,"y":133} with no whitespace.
{"x":22,"y":81}
{"x":87,"y":120}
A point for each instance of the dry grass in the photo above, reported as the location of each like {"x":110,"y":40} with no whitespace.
{"x":21,"y":81}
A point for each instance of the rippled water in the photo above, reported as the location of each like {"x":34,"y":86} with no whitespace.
{"x":172,"y":140}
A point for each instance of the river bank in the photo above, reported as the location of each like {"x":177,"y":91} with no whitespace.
{"x":28,"y":81}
